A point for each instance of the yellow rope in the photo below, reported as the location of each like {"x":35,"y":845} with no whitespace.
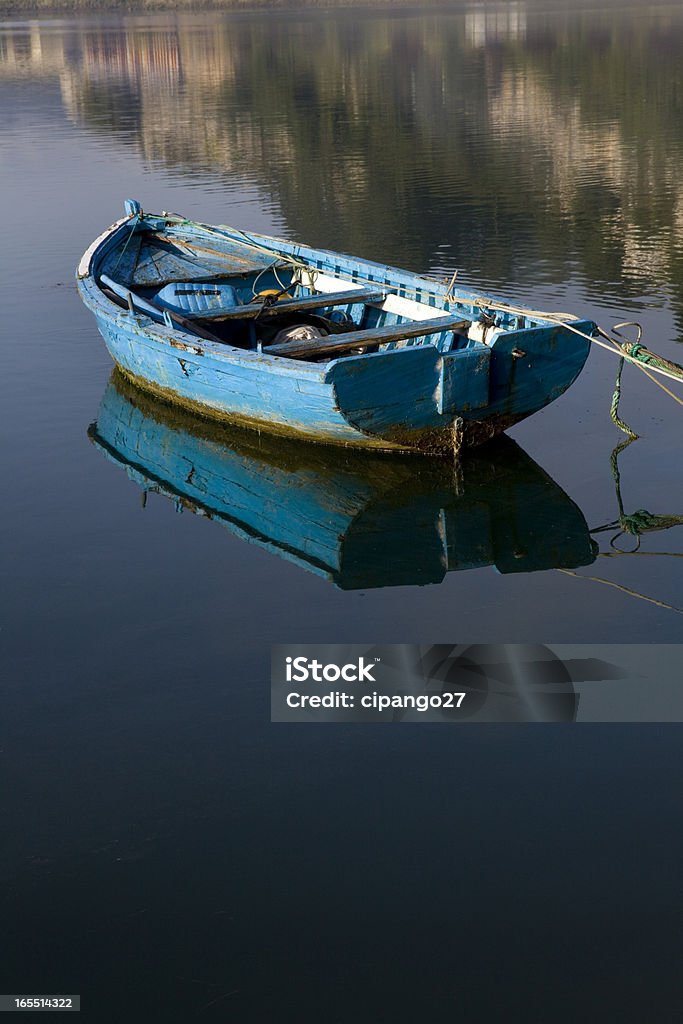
{"x":625,"y":590}
{"x":624,"y":355}
{"x":641,"y":554}
{"x":563,"y":320}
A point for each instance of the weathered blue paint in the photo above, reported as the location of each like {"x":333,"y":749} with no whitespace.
{"x":359,"y":519}
{"x":465,"y":381}
{"x":405,"y":395}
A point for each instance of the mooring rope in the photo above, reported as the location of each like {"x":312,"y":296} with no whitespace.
{"x":638,"y":522}
{"x":618,"y":553}
{"x":633,"y":350}
{"x":627,"y":351}
{"x":614,"y":407}
{"x":634,"y":524}
{"x":623,"y":589}
{"x":133,"y":224}
{"x":665,"y":367}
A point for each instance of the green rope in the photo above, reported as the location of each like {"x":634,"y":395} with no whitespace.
{"x":643,"y":521}
{"x":637,"y":351}
{"x":640,"y":521}
{"x":614,"y":408}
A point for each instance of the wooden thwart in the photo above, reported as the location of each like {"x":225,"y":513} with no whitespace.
{"x":257,"y":309}
{"x":336,"y":343}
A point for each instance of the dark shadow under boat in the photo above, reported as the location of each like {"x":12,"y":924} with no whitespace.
{"x":358,"y":519}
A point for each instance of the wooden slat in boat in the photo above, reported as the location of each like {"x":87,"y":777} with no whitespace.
{"x":337,"y":343}
{"x":257,"y":309}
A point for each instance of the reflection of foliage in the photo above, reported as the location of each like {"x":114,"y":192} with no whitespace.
{"x":421,"y":138}
{"x":140,"y":6}
{"x":626,"y":78}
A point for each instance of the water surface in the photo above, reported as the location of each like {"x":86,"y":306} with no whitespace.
{"x":167,"y":839}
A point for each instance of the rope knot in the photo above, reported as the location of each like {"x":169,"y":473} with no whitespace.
{"x":633,"y":349}
{"x":637,"y":522}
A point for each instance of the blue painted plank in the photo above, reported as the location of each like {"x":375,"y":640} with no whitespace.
{"x":464,"y":385}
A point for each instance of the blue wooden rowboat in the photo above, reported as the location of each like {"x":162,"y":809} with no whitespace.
{"x":358,"y":519}
{"x":311,"y":343}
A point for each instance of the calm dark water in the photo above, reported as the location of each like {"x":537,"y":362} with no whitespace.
{"x":166,"y":852}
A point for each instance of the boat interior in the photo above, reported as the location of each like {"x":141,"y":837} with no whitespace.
{"x":255,"y":299}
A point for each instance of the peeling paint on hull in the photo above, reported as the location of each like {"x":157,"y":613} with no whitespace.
{"x":435,"y":442}
{"x":252,"y":423}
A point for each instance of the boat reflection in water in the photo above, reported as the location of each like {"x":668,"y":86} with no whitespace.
{"x":357,"y":519}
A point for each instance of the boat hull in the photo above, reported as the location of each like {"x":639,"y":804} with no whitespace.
{"x":304,"y":405}
{"x":419,"y":397}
